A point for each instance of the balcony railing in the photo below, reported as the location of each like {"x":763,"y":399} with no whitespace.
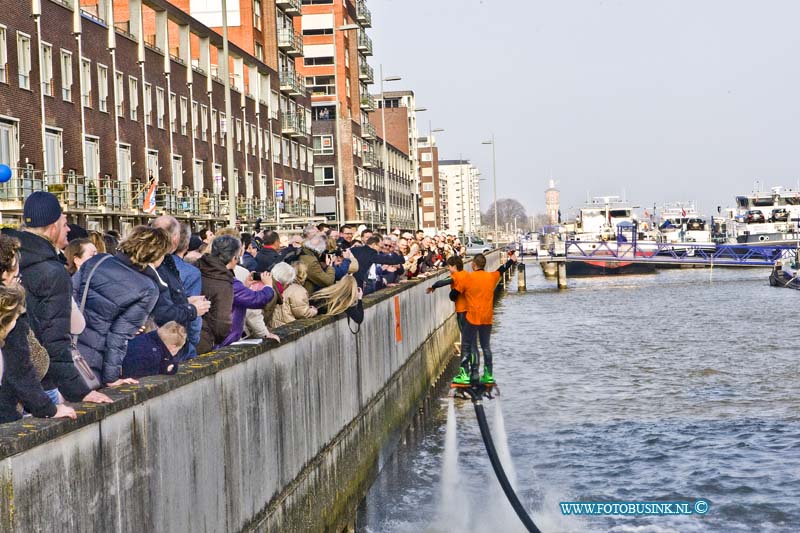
{"x":366,"y":73}
{"x":367,"y":102}
{"x":290,"y":7}
{"x":368,"y":130}
{"x":364,"y":43}
{"x":290,"y":42}
{"x":369,"y":159}
{"x":294,"y":124}
{"x":363,"y":14}
{"x":292,"y":83}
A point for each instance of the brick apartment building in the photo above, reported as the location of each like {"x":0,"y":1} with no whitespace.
{"x":99,"y":102}
{"x":431,"y":199}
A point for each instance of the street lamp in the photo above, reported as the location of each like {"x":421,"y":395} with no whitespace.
{"x":494,"y":184}
{"x":340,"y":189}
{"x":232,"y":184}
{"x":385,"y":151}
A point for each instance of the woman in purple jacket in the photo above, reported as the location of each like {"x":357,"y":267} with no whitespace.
{"x":244,"y":298}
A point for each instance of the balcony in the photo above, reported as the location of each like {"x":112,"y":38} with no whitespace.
{"x":367,"y":102}
{"x":290,"y":7}
{"x":292,"y":83}
{"x":293,"y":124}
{"x":368,"y":131}
{"x":290,"y":42}
{"x":369,"y":160}
{"x":364,"y":43}
{"x":366,"y":73}
{"x":363,"y":14}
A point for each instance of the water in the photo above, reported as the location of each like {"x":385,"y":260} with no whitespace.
{"x":668,"y":387}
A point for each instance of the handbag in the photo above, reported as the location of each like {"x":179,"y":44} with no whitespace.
{"x":84,"y":370}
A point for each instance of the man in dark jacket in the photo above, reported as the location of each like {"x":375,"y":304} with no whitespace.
{"x":48,"y":293}
{"x":217,"y":271}
{"x":368,"y":256}
{"x":271,"y":254}
{"x":173,"y":304}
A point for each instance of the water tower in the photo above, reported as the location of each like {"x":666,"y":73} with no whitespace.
{"x":552,"y":203}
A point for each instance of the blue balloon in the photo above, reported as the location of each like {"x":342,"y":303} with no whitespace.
{"x":5,"y":173}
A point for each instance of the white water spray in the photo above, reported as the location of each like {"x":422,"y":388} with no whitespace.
{"x":453,"y":514}
{"x":501,"y":443}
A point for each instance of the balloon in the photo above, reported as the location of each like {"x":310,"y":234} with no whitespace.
{"x":5,"y":173}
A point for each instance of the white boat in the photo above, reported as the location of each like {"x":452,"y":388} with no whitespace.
{"x":764,"y":218}
{"x":681,"y":224}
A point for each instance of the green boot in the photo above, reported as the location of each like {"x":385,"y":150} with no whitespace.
{"x":462,"y":378}
{"x":487,"y":378}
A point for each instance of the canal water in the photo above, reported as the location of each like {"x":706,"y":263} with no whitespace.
{"x":671,"y":387}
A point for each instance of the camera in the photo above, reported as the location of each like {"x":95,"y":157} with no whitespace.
{"x":256,"y":276}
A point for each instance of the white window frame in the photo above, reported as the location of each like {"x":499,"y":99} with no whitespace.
{"x":184,"y":115}
{"x":58,"y":163}
{"x":257,"y":19}
{"x":160,"y":107}
{"x":213,"y":126}
{"x":133,"y":95}
{"x":46,"y":68}
{"x":203,"y":122}
{"x":124,"y":166}
{"x":3,"y":54}
{"x":198,"y":174}
{"x":173,"y":112}
{"x":86,"y":82}
{"x":195,"y":119}
{"x":11,"y":126}
{"x":322,"y":150}
{"x":66,"y":75}
{"x":176,"y":172}
{"x":253,"y":139}
{"x":93,"y":154}
{"x":24,"y":60}
{"x":238,"y":133}
{"x":319,"y":176}
{"x":102,"y":88}
{"x":119,"y":93}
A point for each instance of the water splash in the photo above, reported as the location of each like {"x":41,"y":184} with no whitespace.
{"x":453,"y":514}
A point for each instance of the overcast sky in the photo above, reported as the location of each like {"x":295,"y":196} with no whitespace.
{"x":668,"y":100}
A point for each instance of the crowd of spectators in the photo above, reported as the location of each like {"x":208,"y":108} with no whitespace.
{"x":83,"y":310}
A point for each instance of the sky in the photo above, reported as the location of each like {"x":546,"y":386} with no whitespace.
{"x":659,"y":101}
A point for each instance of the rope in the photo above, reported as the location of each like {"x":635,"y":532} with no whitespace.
{"x":498,"y":469}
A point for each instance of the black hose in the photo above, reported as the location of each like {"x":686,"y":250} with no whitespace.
{"x":499,"y":472}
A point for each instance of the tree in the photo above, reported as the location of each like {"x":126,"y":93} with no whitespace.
{"x":507,"y":210}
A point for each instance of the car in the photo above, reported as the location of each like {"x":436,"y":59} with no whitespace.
{"x":780,"y":215}
{"x":754,"y":216}
{"x":476,"y":245}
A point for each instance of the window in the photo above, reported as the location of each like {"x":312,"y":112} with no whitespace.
{"x":160,"y":107}
{"x":133,"y":94}
{"x":102,"y":88}
{"x":152,"y":164}
{"x":203,"y":123}
{"x":173,"y":112}
{"x":285,"y":152}
{"x":302,"y":151}
{"x":91,"y":161}
{"x":3,"y":55}
{"x":124,"y":163}
{"x":320,"y":85}
{"x":195,"y":120}
{"x":427,"y":202}
{"x":185,"y":115}
{"x":427,"y":187}
{"x":276,"y":148}
{"x":238,"y":133}
{"x":323,"y":144}
{"x":223,"y":129}
{"x":86,"y":82}
{"x":119,"y":93}
{"x":246,"y":139}
{"x":295,"y":155}
{"x":24,"y":60}
{"x":217,"y":179}
{"x":177,"y":170}
{"x":324,"y":176}
{"x":259,"y":51}
{"x":214,"y":126}
{"x":315,"y":61}
{"x":199,"y":175}
{"x":148,"y":103}
{"x":426,"y":156}
{"x":9,"y":143}
{"x":266,"y":143}
{"x":257,"y":14}
{"x":46,"y":67}
{"x":253,"y":139}
{"x":53,"y":152}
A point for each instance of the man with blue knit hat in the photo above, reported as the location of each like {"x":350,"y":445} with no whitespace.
{"x":48,"y":288}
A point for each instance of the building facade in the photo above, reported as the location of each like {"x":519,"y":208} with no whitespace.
{"x":463,"y":195}
{"x":111,"y":104}
{"x":552,"y":204}
{"x":431,"y":200}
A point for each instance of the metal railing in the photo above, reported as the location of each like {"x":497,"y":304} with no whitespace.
{"x":366,"y":73}
{"x":290,"y":7}
{"x":369,"y":159}
{"x":290,"y":41}
{"x":364,"y":43}
{"x":368,"y":130}
{"x":292,"y":83}
{"x":363,"y":14}
{"x":367,"y":102}
{"x":294,"y":124}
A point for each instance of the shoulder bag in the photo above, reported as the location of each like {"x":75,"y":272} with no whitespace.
{"x":84,"y":370}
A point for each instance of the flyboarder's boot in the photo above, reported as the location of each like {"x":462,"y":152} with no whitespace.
{"x":462,"y":378}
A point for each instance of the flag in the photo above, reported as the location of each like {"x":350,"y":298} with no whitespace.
{"x":646,"y":214}
{"x":683,"y":212}
{"x":149,"y":204}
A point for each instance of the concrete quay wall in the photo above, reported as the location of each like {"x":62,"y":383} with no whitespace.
{"x":276,"y":437}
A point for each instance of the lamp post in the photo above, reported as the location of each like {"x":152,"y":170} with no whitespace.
{"x":340,"y":177}
{"x":228,"y":119}
{"x":494,"y":183}
{"x":385,"y":151}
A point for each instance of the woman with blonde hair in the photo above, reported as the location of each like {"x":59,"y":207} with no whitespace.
{"x":344,"y":296}
{"x":78,"y":251}
{"x":117,"y":294}
{"x":295,"y":304}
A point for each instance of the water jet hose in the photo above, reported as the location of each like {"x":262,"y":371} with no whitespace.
{"x":498,"y":469}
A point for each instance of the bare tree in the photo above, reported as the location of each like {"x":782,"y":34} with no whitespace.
{"x":507,"y":210}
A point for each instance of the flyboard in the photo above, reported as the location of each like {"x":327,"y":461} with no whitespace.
{"x":476,"y":392}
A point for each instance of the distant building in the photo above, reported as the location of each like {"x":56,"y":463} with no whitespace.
{"x":463,"y":195}
{"x":430,"y":188}
{"x":552,"y":203}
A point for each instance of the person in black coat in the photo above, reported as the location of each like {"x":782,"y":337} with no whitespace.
{"x":121,"y":293}
{"x":20,"y":383}
{"x":368,"y":256}
{"x":173,"y":304}
{"x":48,"y":288}
{"x":154,"y":353}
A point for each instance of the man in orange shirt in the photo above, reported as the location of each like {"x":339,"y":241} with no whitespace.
{"x":478,"y":289}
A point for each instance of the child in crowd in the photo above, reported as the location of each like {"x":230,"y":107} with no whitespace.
{"x":154,"y":353}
